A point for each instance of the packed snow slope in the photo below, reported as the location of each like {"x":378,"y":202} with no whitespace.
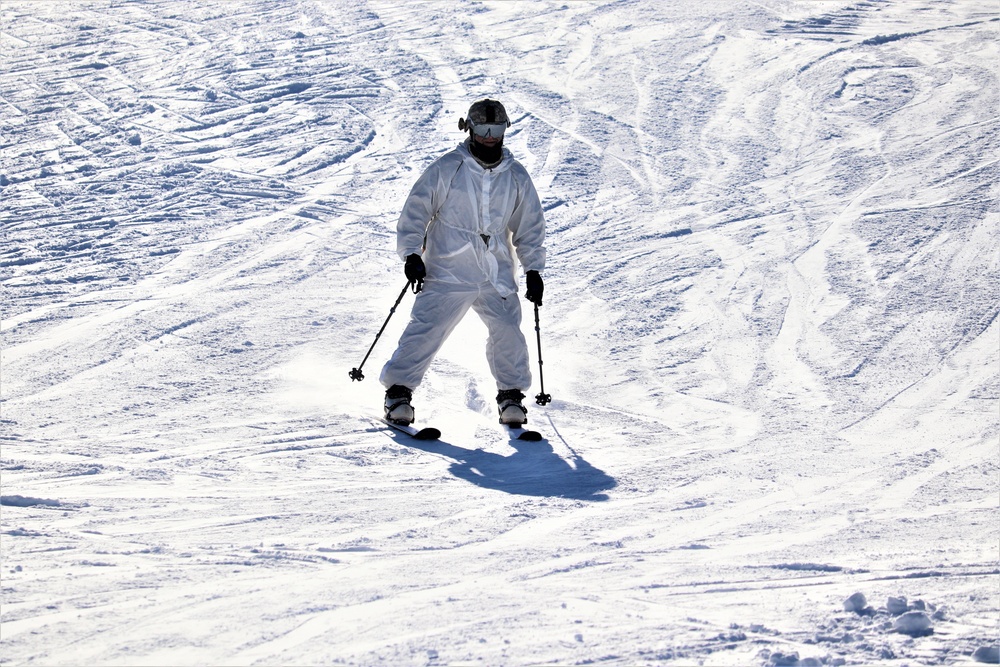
{"x":770,"y":331}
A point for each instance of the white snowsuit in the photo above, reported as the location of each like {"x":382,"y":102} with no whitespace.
{"x":467,"y":222}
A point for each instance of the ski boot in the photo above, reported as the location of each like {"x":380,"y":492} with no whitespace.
{"x":397,"y":405}
{"x":512,"y":412}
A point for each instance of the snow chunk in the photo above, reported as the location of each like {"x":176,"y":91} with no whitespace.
{"x":778,"y":659}
{"x":783,"y":659}
{"x":914,"y":623}
{"x":858,"y":603}
{"x":987,"y":654}
{"x":23,"y":501}
{"x":897,"y":606}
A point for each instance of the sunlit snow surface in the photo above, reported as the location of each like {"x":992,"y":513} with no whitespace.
{"x":770,"y":332}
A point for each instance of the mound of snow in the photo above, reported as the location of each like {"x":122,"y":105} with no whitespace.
{"x":914,"y":623}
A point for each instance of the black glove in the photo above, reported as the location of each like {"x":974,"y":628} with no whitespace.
{"x":535,"y":287}
{"x":415,"y":272}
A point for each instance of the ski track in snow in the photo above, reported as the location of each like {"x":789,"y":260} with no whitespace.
{"x":770,"y":330}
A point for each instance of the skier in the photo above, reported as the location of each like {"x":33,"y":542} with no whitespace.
{"x":460,"y":227}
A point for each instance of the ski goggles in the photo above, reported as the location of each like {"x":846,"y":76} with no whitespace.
{"x":495,"y":130}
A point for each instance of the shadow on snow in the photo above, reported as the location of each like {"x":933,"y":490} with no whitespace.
{"x":533,"y":470}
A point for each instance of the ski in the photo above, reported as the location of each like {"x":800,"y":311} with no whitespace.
{"x":520,"y":433}
{"x":426,"y":433}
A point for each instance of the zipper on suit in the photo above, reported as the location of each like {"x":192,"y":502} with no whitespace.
{"x":484,"y":208}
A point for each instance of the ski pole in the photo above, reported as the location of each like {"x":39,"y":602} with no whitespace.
{"x":542,"y":398}
{"x":356,"y":373}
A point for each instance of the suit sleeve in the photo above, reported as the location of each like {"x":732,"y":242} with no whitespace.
{"x":422,"y":204}
{"x":527,"y":226}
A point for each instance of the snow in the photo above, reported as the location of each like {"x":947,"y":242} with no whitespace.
{"x":770,"y":332}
